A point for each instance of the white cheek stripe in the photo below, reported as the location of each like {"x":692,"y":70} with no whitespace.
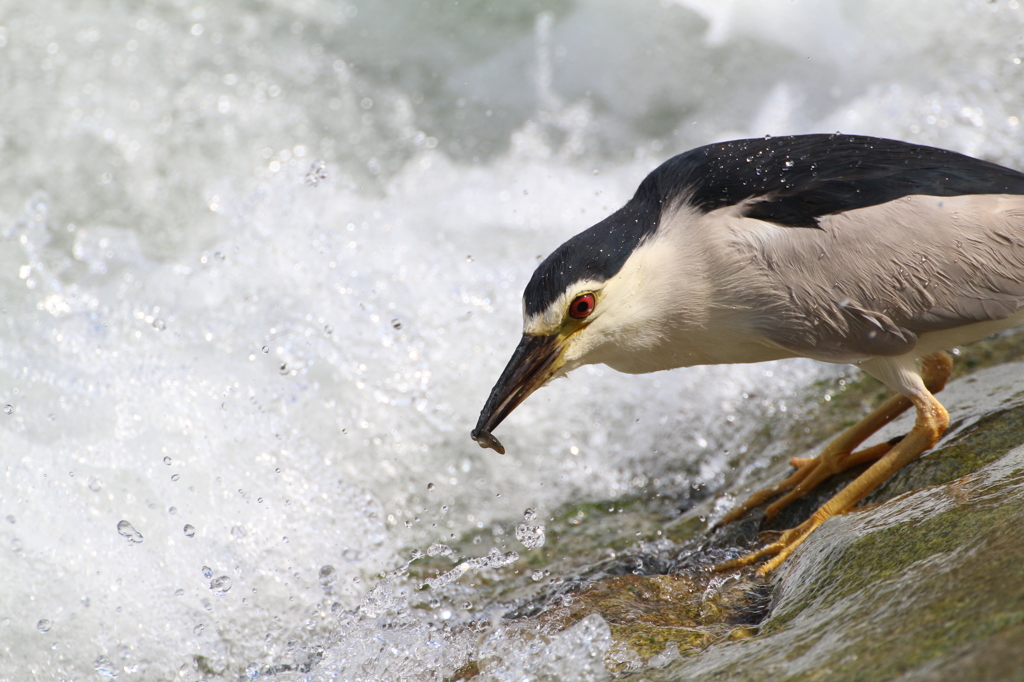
{"x":550,"y":320}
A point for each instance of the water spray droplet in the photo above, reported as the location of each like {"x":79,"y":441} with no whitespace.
{"x":352,"y":555}
{"x":128,"y":530}
{"x":190,"y":530}
{"x":43,"y":625}
{"x":531,"y":536}
{"x":437,"y":549}
{"x":105,"y":667}
{"x":328,"y":578}
{"x":220,"y":585}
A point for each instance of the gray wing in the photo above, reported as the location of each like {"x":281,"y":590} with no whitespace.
{"x":872,"y":280}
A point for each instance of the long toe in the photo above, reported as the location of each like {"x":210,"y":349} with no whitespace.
{"x":765,"y":494}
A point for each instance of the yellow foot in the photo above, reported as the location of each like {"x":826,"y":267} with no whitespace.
{"x":817,"y":469}
{"x":810,"y":472}
{"x":781,"y":548}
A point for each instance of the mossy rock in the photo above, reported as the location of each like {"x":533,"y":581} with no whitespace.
{"x":924,"y":584}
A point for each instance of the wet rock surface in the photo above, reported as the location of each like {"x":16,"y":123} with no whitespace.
{"x":924,"y":581}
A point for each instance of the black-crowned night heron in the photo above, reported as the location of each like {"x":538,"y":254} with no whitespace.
{"x":839,"y":248}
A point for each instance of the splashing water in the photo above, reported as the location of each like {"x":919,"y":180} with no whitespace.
{"x":494,"y":559}
{"x":531,"y":536}
{"x":262,"y":265}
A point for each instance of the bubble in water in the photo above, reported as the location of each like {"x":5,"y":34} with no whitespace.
{"x":159,"y":324}
{"x":252,"y":670}
{"x":220,"y":585}
{"x":537,"y":575}
{"x":43,"y":625}
{"x":431,"y":486}
{"x":417,"y":554}
{"x":167,"y":460}
{"x":207,"y":572}
{"x":105,"y":667}
{"x":266,"y":349}
{"x":529,"y":515}
{"x":8,"y":409}
{"x":396,"y":323}
{"x":175,"y":477}
{"x":531,"y":536}
{"x":128,"y":530}
{"x":198,"y":630}
{"x":94,"y":484}
{"x":10,"y":518}
{"x":190,"y":530}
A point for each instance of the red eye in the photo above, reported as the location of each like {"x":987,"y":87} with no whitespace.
{"x":581,"y":306}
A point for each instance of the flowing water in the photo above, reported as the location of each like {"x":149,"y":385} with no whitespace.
{"x":262,"y":262}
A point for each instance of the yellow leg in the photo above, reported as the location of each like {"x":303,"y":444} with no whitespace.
{"x":838,"y":455}
{"x":823,"y":469}
{"x":932,"y":420}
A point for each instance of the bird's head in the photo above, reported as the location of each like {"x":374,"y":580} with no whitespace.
{"x":580,"y":307}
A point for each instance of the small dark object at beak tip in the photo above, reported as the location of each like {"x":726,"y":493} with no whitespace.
{"x":486,"y":440}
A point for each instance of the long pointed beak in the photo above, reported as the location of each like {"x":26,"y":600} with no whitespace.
{"x":533,"y":363}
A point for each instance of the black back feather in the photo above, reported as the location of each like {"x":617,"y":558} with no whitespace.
{"x":791,"y":181}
